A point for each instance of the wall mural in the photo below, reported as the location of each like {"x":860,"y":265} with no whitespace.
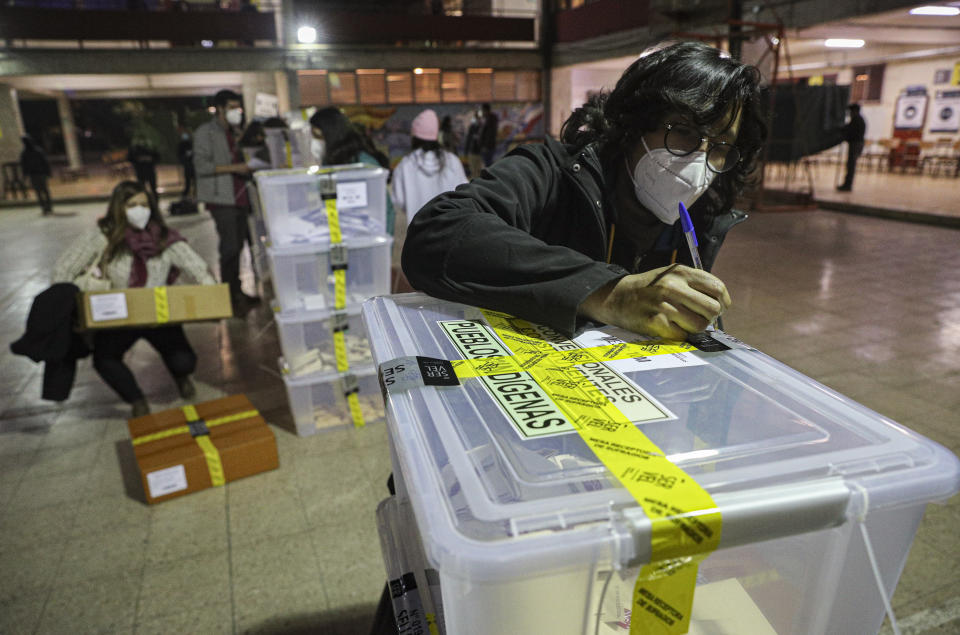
{"x":389,"y":126}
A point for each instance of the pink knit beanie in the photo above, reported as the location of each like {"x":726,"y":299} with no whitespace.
{"x":425,"y":126}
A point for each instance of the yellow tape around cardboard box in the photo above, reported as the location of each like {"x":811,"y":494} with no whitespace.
{"x":685,"y":522}
{"x":187,"y":449}
{"x":153,"y":306}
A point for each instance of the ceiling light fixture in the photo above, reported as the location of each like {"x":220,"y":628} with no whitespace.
{"x":843,"y":43}
{"x":934,"y":10}
{"x":306,"y":35}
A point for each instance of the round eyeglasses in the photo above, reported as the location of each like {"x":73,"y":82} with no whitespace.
{"x":681,"y":140}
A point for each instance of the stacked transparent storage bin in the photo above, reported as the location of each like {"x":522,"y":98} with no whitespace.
{"x":820,"y":497}
{"x":319,"y":285}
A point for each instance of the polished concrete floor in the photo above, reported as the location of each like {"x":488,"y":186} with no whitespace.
{"x":868,"y":306}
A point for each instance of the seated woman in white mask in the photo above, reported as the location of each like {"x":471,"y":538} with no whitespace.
{"x":562,"y":234}
{"x":132,"y":247}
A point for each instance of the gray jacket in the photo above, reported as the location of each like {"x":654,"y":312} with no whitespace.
{"x":211,"y":149}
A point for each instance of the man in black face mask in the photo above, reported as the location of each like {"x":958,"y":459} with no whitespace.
{"x":562,"y":234}
{"x":222,"y":184}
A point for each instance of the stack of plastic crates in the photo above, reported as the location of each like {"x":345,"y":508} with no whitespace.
{"x":325,"y":242}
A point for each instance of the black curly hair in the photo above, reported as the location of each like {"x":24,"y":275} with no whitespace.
{"x":689,"y":79}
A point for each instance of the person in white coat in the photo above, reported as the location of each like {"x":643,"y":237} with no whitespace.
{"x":427,"y":170}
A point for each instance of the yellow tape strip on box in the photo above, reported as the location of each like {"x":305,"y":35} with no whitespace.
{"x":355,"y":412}
{"x":685,"y":522}
{"x":340,"y":351}
{"x":162,"y":304}
{"x":333,"y":221}
{"x":210,"y":453}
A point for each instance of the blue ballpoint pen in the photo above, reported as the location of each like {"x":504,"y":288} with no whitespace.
{"x":691,"y":235}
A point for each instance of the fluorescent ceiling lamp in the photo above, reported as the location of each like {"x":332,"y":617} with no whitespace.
{"x":933,"y":10}
{"x":306,"y":35}
{"x":843,"y":43}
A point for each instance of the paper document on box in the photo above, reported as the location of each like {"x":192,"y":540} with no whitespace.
{"x":108,"y":306}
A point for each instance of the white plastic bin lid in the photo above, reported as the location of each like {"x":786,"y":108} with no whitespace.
{"x":779,"y":453}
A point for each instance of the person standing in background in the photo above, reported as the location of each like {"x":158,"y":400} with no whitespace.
{"x":343,"y":142}
{"x":35,"y":167}
{"x":472,"y":146}
{"x":426,"y":171}
{"x":853,"y":134}
{"x":446,"y":137}
{"x":488,"y":134}
{"x":185,"y":156}
{"x":143,"y":155}
{"x":222,"y":185}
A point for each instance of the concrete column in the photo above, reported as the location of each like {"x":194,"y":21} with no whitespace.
{"x":11,"y":125}
{"x":69,"y":131}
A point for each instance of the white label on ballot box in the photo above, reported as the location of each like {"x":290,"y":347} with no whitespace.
{"x":614,"y":335}
{"x":108,"y":306}
{"x":528,"y":405}
{"x":352,"y":194}
{"x":167,"y":481}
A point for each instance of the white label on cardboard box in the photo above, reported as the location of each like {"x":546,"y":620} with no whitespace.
{"x":167,"y":481}
{"x":352,"y":194}
{"x":108,"y":306}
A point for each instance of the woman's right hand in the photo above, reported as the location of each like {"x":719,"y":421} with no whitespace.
{"x":669,"y":302}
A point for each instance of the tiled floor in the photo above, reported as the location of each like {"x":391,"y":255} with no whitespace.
{"x":911,"y":193}
{"x":868,"y":306}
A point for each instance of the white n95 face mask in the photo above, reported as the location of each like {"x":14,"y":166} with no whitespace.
{"x":661,"y":180}
{"x":138,"y":216}
{"x":234,"y":116}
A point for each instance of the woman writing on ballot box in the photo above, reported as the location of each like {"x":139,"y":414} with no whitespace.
{"x":587,"y":230}
{"x":132,"y":247}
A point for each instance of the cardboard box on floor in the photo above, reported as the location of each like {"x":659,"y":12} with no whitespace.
{"x":180,"y":451}
{"x":154,"y":306}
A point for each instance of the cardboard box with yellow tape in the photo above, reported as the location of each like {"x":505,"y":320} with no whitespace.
{"x":188,"y":449}
{"x":153,"y":306}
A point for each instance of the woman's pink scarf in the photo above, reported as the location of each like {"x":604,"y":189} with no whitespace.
{"x":144,"y":244}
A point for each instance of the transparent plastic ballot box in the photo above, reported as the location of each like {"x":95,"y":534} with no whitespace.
{"x":413,"y":586}
{"x":820,"y":497}
{"x":294,"y":212}
{"x":303,"y":275}
{"x":319,"y":401}
{"x":309,"y":339}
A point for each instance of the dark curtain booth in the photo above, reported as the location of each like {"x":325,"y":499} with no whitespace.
{"x":806,"y":120}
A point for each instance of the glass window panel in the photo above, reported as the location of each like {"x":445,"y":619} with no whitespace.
{"x":454,"y":86}
{"x":399,"y":88}
{"x":313,"y":88}
{"x":480,"y":84}
{"x":373,"y":88}
{"x":426,"y":86}
{"x":504,"y":86}
{"x":343,"y":88}
{"x":528,"y":85}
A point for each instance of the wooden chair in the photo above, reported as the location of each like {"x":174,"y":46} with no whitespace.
{"x":941,"y":158}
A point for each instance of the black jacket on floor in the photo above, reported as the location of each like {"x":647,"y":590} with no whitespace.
{"x":50,"y":338}
{"x":529,"y":237}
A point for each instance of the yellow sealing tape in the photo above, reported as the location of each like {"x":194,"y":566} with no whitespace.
{"x":340,"y":351}
{"x":163,"y":307}
{"x":432,"y":624}
{"x":210,"y":453}
{"x":340,"y":275}
{"x":685,"y":521}
{"x":354,"y":402}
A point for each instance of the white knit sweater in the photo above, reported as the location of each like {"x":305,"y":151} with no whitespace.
{"x":89,"y":247}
